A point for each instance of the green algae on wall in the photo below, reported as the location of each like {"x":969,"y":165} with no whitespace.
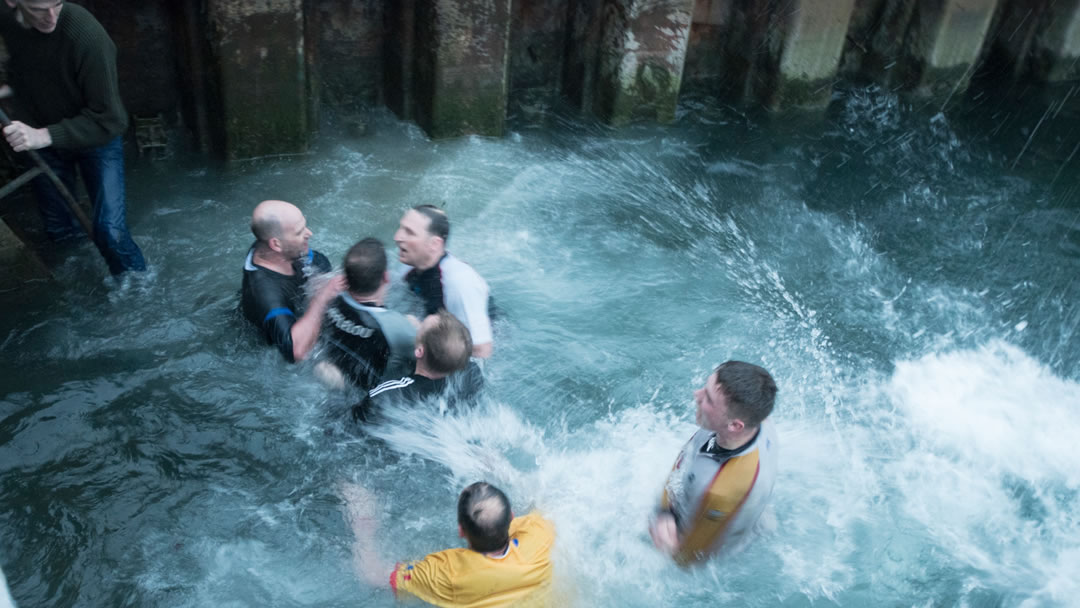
{"x":263,"y":78}
{"x":643,"y":48}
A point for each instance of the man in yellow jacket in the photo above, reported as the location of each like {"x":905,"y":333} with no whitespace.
{"x":722,"y":479}
{"x":507,"y":563}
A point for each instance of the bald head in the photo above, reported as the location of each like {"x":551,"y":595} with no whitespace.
{"x":484,"y":516}
{"x":280,"y":228}
{"x":269,"y":218}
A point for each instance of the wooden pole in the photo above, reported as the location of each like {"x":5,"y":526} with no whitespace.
{"x":73,"y":205}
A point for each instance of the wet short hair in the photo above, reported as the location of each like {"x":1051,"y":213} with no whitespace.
{"x":365,"y":265}
{"x":440,"y":222}
{"x":749,"y":389}
{"x":484,"y":516}
{"x":447,"y":344}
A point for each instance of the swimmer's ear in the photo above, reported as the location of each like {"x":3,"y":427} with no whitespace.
{"x":437,"y":243}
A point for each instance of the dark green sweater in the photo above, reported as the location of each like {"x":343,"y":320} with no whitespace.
{"x":65,"y":80}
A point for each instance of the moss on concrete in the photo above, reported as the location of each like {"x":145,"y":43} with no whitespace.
{"x":652,"y":94}
{"x":263,"y":83}
{"x":468,"y":111}
{"x":803,"y":94}
{"x":460,"y":72}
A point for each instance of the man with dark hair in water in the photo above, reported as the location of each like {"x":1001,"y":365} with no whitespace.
{"x":366,"y":341}
{"x":445,"y":343}
{"x":508,"y":561}
{"x":442,"y":354}
{"x":276,"y":270}
{"x":441,"y":280}
{"x":724,"y":476}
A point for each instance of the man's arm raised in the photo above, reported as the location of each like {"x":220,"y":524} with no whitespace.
{"x":305,"y":332}
{"x":361,"y":513}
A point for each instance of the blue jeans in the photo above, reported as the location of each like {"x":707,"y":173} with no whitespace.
{"x":102,"y":169}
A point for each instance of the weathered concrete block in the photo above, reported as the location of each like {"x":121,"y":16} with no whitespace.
{"x":538,"y":31}
{"x":946,"y":41}
{"x":712,"y":12}
{"x":259,"y":50}
{"x":401,"y":57}
{"x":146,"y":53}
{"x":876,"y":39}
{"x":796,"y":49}
{"x":641,"y":58}
{"x":1057,"y":47}
{"x":461,"y":69}
{"x":814,"y":38}
{"x":706,"y":67}
{"x":193,"y":67}
{"x":582,"y":49}
{"x":347,"y":40}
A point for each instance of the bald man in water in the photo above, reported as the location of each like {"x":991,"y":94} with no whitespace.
{"x":508,"y":562}
{"x":275,"y":272}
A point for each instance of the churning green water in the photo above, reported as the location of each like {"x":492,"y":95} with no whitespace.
{"x":910,"y":279}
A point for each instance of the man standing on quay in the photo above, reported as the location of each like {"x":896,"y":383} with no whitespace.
{"x":63,"y":69}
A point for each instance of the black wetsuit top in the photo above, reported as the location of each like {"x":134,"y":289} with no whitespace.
{"x":427,"y":285}
{"x":273,"y":301}
{"x":458,"y":389}
{"x":367,"y":342}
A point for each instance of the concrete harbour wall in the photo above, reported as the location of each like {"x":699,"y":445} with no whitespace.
{"x":251,"y":78}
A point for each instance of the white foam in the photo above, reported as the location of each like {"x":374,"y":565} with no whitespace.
{"x":997,"y":406}
{"x":600,"y":484}
{"x":5,"y":595}
{"x":995,"y":470}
